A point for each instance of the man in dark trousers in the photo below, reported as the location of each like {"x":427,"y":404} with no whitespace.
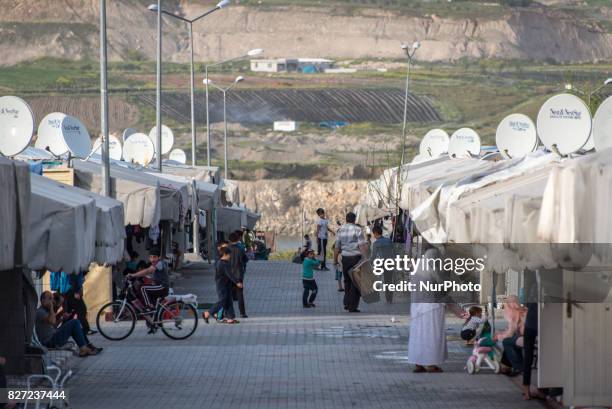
{"x":238,"y":262}
{"x":351,"y":243}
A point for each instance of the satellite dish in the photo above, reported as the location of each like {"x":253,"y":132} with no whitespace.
{"x":76,"y":138}
{"x":434,"y":143}
{"x":126,"y":133}
{"x":602,"y":126}
{"x":167,"y":139}
{"x":178,"y":155}
{"x":50,"y":134}
{"x":590,"y":143}
{"x":16,"y":125}
{"x":138,"y":148}
{"x":463,"y":143}
{"x":60,"y":133}
{"x":564,"y":124}
{"x":516,"y":136}
{"x":115,"y":149}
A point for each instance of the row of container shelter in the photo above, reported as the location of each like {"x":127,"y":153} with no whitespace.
{"x":540,"y":213}
{"x":48,"y":225}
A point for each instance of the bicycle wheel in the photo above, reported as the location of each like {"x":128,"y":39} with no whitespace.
{"x":177,"y":320}
{"x":116,"y":321}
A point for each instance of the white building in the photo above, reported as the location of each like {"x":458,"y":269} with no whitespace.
{"x":307,"y":65}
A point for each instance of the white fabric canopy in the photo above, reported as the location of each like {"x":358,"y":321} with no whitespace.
{"x":381,"y":193}
{"x":232,"y":191}
{"x":431,"y":215}
{"x":62,"y":232}
{"x":230,"y":219}
{"x":251,"y":219}
{"x":139,"y":192}
{"x":208,"y":174}
{"x":110,"y":230}
{"x":14,"y":212}
{"x":367,"y":213}
{"x":32,"y":153}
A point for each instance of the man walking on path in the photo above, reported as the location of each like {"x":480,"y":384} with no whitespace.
{"x":238,"y":261}
{"x":351,"y":242}
{"x":382,"y":248}
{"x":322,"y":235}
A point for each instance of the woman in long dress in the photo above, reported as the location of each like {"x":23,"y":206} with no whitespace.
{"x":427,"y":348}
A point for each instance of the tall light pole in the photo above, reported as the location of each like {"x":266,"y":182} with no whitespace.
{"x":590,"y":93}
{"x":225,"y":91}
{"x":410,"y":51}
{"x":251,"y":53}
{"x":106,"y":191}
{"x":219,"y":6}
{"x":158,"y":121}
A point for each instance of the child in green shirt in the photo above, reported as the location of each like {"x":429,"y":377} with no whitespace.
{"x":310,"y":285}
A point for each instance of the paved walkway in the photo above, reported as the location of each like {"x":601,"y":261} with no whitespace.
{"x":283,"y":357}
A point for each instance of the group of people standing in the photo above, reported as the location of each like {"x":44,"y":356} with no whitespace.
{"x":350,"y":247}
{"x":230,"y":269}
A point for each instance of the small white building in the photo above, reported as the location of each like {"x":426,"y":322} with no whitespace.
{"x":306,"y":65}
{"x":285,"y":126}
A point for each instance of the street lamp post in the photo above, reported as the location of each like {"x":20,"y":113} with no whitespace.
{"x":225,"y":91}
{"x":410,"y":51}
{"x":251,"y":53}
{"x":190,"y":22}
{"x":158,"y":124}
{"x":104,"y":103}
{"x":590,"y":93}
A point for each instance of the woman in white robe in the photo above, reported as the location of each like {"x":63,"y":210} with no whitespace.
{"x":427,"y":348}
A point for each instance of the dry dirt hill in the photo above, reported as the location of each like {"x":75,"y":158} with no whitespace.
{"x":281,"y":202}
{"x":68,"y":28}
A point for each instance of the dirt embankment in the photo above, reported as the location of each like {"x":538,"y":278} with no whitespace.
{"x":282,"y":202}
{"x":68,"y":28}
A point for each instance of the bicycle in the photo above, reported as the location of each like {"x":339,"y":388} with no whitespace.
{"x":175,"y":315}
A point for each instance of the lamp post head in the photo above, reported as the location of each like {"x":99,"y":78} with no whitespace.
{"x":416,"y":45}
{"x":568,"y":86}
{"x":608,"y":81}
{"x":254,"y":52}
{"x":404,"y":47}
{"x":239,"y":79}
{"x":206,"y":81}
{"x":223,"y":3}
{"x":152,"y":7}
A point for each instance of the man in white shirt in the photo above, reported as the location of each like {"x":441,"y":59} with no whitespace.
{"x":322,"y":236}
{"x":351,"y":242}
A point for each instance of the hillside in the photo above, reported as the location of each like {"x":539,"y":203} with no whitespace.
{"x":448,"y":31}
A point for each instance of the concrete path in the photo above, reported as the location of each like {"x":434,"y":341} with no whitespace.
{"x":283,"y":356}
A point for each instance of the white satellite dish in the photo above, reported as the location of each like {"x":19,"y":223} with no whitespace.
{"x":138,"y":148}
{"x":16,"y":125}
{"x":463,"y":143}
{"x":127,"y":132}
{"x":434,"y":143}
{"x":590,"y":143}
{"x":178,"y":155}
{"x":167,"y":139}
{"x":115,"y":149}
{"x":602,"y":126}
{"x":60,"y":133}
{"x":76,"y":137}
{"x":49,"y":135}
{"x":564,"y":124}
{"x":516,"y":136}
